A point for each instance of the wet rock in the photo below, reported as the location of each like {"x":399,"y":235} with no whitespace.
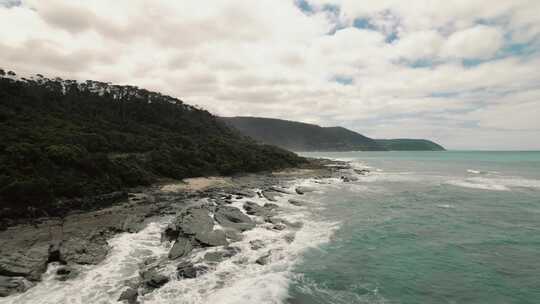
{"x":186,"y":270}
{"x":153,"y":280}
{"x":129,"y":296}
{"x":362,"y":171}
{"x":289,"y":238}
{"x":30,"y":264}
{"x":280,"y":190}
{"x":297,"y":202}
{"x":265,"y":259}
{"x":279,"y":227}
{"x":256,"y":244}
{"x":258,"y":210}
{"x":271,"y":195}
{"x":181,"y":248}
{"x":84,"y":251}
{"x":231,"y":217}
{"x":245,"y":193}
{"x":170,"y":233}
{"x":304,"y":189}
{"x":194,"y":220}
{"x":132,"y":224}
{"x":233,"y":235}
{"x":65,"y":273}
{"x":13,"y":285}
{"x":55,"y":254}
{"x":212,"y":238}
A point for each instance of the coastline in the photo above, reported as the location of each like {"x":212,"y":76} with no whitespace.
{"x":82,"y":238}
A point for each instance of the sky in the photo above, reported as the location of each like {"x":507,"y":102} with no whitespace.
{"x":464,"y":73}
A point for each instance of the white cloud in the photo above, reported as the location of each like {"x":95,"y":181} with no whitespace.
{"x":479,"y":42}
{"x":268,"y":58}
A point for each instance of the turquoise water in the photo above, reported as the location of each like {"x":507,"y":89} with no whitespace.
{"x":429,"y":227}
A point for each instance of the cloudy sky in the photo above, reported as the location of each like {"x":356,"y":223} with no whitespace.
{"x":465,"y":73}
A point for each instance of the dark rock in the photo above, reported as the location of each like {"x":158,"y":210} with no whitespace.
{"x":13,"y":285}
{"x":55,"y":252}
{"x":280,"y":190}
{"x":212,"y":238}
{"x":258,"y":210}
{"x":186,"y":270}
{"x":245,"y":193}
{"x":65,"y":273}
{"x":362,"y":171}
{"x":304,"y":189}
{"x":153,"y":279}
{"x":84,"y":251}
{"x":231,"y":217}
{"x":181,"y":248}
{"x":194,"y":220}
{"x":256,"y":244}
{"x":289,"y":238}
{"x":129,"y":296}
{"x":30,"y":265}
{"x":271,"y":195}
{"x":233,"y":235}
{"x":297,"y":202}
{"x":279,"y":227}
{"x":265,"y":259}
{"x":170,"y":233}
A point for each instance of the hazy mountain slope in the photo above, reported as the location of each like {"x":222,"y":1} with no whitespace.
{"x":410,"y":145}
{"x":298,"y":136}
{"x":61,"y":139}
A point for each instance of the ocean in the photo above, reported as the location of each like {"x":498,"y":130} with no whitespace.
{"x":421,"y":227}
{"x":429,"y":227}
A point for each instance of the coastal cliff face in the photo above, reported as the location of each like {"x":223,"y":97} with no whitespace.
{"x":62,"y":139}
{"x":297,"y":136}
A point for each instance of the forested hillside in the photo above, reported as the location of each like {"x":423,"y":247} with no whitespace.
{"x":62,"y":139}
{"x":410,"y":145}
{"x":297,"y":136}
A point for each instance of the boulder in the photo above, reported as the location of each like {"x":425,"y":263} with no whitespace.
{"x":258,"y":210}
{"x":65,"y":273}
{"x":218,"y":256}
{"x":181,"y":248}
{"x":256,"y":244}
{"x":234,"y":235}
{"x":30,"y":264}
{"x":129,"y":296}
{"x":212,"y":238}
{"x":271,"y":195}
{"x":13,"y":285}
{"x":186,"y":270}
{"x":265,"y":259}
{"x":245,"y":193}
{"x":84,"y":251}
{"x":194,"y":220}
{"x":231,"y":217}
{"x":303,"y":189}
{"x":153,"y":280}
{"x":170,"y":233}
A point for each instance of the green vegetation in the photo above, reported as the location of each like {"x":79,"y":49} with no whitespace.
{"x":298,"y":136}
{"x":410,"y":145}
{"x":64,"y":139}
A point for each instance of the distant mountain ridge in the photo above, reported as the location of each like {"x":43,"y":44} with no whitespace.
{"x":298,"y":136}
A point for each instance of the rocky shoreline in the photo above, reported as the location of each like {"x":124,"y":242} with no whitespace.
{"x":203,"y":217}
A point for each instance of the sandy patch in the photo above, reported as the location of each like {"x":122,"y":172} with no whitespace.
{"x":197,"y":184}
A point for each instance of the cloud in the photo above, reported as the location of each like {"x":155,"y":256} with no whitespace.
{"x":479,"y":42}
{"x":444,"y":70}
